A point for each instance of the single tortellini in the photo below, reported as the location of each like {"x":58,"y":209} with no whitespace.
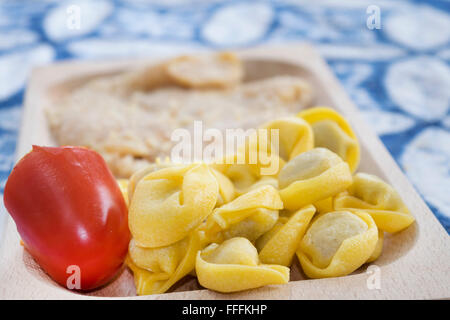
{"x":333,"y":132}
{"x":281,"y":246}
{"x":169,"y":203}
{"x":234,"y":266}
{"x":379,"y":199}
{"x":337,"y":243}
{"x":249,"y":215}
{"x":313,"y":176}
{"x":293,"y":136}
{"x":162,"y":268}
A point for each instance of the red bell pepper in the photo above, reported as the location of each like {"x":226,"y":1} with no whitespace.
{"x":70,"y":214}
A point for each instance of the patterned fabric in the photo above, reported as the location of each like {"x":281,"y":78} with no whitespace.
{"x":398,"y":75}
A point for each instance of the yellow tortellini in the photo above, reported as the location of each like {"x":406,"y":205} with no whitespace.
{"x":254,"y":226}
{"x":138,"y":175}
{"x":337,"y":243}
{"x":162,"y":261}
{"x":249,"y":215}
{"x":146,"y":282}
{"x":237,"y":224}
{"x":265,"y":197}
{"x":280,"y":247}
{"x":324,"y":205}
{"x":245,"y":170}
{"x":234,"y":266}
{"x":167,"y":204}
{"x":313,"y":176}
{"x":265,"y":181}
{"x":333,"y":132}
{"x":378,"y":248}
{"x":157,"y":269}
{"x":226,"y":188}
{"x":294,"y":137}
{"x":252,"y":165}
{"x":158,"y":260}
{"x":379,"y":199}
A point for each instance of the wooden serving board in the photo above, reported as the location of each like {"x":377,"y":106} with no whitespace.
{"x":415,"y":263}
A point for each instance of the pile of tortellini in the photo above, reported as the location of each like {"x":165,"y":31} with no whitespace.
{"x":236,"y":229}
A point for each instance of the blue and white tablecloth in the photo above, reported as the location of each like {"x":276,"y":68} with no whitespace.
{"x":398,"y":75}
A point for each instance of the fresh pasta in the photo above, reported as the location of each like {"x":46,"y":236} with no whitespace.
{"x":237,"y":227}
{"x":170,"y":202}
{"x":313,"y":176}
{"x":234,"y":266}
{"x":333,"y":132}
{"x":281,"y":246}
{"x":158,"y":260}
{"x":138,"y":175}
{"x":247,"y":168}
{"x":226,"y":188}
{"x":337,"y":244}
{"x":149,"y":282}
{"x":377,"y":198}
{"x":265,"y":197}
{"x":295,"y":136}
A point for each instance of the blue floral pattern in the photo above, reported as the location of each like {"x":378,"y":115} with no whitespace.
{"x":398,"y":75}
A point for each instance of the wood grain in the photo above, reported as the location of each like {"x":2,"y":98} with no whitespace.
{"x":415,"y":263}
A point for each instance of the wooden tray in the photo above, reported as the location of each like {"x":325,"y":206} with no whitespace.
{"x":415,"y":263}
